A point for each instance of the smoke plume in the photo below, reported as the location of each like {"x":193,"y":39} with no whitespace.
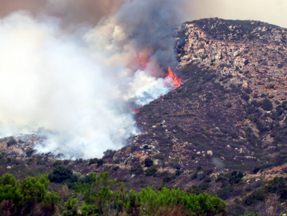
{"x":76,"y":87}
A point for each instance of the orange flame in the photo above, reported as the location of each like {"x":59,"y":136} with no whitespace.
{"x":141,"y":60}
{"x":176,"y":81}
{"x":136,"y":111}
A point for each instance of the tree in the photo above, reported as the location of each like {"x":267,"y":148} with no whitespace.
{"x":60,"y":174}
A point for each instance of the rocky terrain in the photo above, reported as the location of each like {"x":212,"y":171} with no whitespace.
{"x":227,"y":118}
{"x":231,"y":106}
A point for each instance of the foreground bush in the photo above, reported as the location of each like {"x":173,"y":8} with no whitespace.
{"x":104,"y":196}
{"x":28,"y":197}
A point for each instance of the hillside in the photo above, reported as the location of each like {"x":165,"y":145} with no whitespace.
{"x":231,"y":106}
{"x":223,"y":131}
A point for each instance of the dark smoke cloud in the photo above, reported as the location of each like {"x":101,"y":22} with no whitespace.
{"x":150,"y":24}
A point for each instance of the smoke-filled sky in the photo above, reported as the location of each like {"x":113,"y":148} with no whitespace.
{"x":74,"y":69}
{"x":271,"y":11}
{"x":91,"y":11}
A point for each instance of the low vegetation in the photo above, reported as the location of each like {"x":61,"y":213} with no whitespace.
{"x":102,"y":196}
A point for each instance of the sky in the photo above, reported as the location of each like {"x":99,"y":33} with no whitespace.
{"x":271,"y":11}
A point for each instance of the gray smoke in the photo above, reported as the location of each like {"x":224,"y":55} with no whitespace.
{"x":149,"y":24}
{"x":77,"y":85}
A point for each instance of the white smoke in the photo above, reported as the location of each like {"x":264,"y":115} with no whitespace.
{"x":50,"y":80}
{"x":62,"y":84}
{"x":76,"y":88}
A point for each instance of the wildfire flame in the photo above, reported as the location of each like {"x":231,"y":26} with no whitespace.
{"x":141,"y":60}
{"x":136,"y":111}
{"x":176,"y":81}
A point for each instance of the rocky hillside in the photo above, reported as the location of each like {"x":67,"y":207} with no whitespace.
{"x":230,"y":111}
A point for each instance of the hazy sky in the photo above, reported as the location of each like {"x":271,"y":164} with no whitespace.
{"x":271,"y":11}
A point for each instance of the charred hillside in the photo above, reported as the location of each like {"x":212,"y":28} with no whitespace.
{"x":231,"y":107}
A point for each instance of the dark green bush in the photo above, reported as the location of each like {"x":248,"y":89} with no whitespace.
{"x":245,"y":97}
{"x":57,"y":163}
{"x":93,"y":161}
{"x":12,"y":141}
{"x":225,"y":193}
{"x":195,"y":190}
{"x":255,"y":197}
{"x":199,"y":168}
{"x":204,"y":186}
{"x":150,"y":171}
{"x":30,"y":152}
{"x":236,"y":210}
{"x":60,"y":174}
{"x":178,"y":172}
{"x":100,"y":162}
{"x":167,"y":179}
{"x":234,"y":136}
{"x":278,"y":185}
{"x":66,"y":162}
{"x":137,"y":170}
{"x":208,"y":172}
{"x":284,"y":105}
{"x":267,"y":105}
{"x":235,"y":177}
{"x":194,"y":175}
{"x":148,"y":162}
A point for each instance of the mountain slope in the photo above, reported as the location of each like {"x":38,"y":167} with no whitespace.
{"x":231,"y":107}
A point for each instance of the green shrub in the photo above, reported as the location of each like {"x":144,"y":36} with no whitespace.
{"x":235,"y":177}
{"x":203,"y":186}
{"x":116,"y":168}
{"x":278,"y":185}
{"x":26,"y":197}
{"x":167,"y":179}
{"x":12,"y":141}
{"x":225,"y":193}
{"x":150,"y":171}
{"x":148,"y":162}
{"x":93,"y":161}
{"x":199,"y":168}
{"x":66,"y":162}
{"x":60,"y":174}
{"x":30,"y":152}
{"x":255,"y":197}
{"x":194,"y":175}
{"x":195,"y":190}
{"x":57,"y":163}
{"x":100,"y":162}
{"x":234,"y":136}
{"x":137,"y":170}
{"x":103,"y":196}
{"x":245,"y":97}
{"x":267,"y":105}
